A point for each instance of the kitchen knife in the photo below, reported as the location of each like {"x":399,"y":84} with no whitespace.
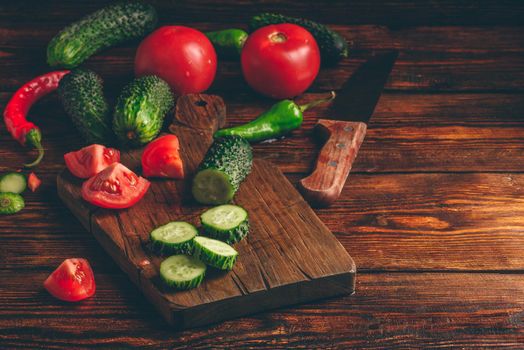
{"x":346,"y":129}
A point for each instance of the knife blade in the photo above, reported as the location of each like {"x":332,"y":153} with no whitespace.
{"x":346,"y":129}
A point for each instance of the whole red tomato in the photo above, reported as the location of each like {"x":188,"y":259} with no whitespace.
{"x":280,"y":61}
{"x":182,"y":56}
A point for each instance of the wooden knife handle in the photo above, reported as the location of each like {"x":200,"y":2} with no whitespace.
{"x":334,"y":162}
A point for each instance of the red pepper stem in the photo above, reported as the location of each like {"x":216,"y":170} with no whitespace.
{"x":33,"y":138}
{"x":317,"y":102}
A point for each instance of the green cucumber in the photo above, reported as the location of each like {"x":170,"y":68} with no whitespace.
{"x":175,"y":237}
{"x":228,"y":223}
{"x":106,"y":27}
{"x":82,"y":96}
{"x":333,"y":47}
{"x":11,"y":203}
{"x":13,"y":182}
{"x":215,"y":253}
{"x":226,"y":164}
{"x":182,"y":271}
{"x":228,"y":42}
{"x":140,"y":110}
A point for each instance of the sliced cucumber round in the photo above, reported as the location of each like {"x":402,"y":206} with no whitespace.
{"x":13,"y":182}
{"x":228,"y":223}
{"x":11,"y":203}
{"x":182,"y":271}
{"x":215,"y":253}
{"x":174,"y":238}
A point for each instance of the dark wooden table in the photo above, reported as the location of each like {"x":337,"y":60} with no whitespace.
{"x":433,"y":213}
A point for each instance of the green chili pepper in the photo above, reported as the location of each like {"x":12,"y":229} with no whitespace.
{"x":228,"y":42}
{"x":280,"y":119}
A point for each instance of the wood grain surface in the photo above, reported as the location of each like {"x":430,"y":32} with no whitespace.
{"x":432,"y":214}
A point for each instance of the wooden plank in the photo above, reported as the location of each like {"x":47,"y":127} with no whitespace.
{"x":408,"y":133}
{"x":393,"y":108}
{"x":289,"y":256}
{"x":422,"y":71}
{"x":402,"y":108}
{"x":16,"y":36}
{"x":387,"y":222}
{"x":393,"y":311}
{"x":431,"y":221}
{"x":394,"y":13}
{"x":431,"y":58}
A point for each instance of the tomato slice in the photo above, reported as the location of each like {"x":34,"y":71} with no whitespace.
{"x":33,"y":182}
{"x":115,"y":187}
{"x":73,"y":280}
{"x":161,"y":158}
{"x":90,"y":160}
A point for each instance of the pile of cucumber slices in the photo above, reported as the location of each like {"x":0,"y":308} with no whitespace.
{"x":11,"y":185}
{"x":192,"y":253}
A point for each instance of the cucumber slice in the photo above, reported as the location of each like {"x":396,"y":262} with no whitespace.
{"x":215,"y":253}
{"x":175,"y":237}
{"x":228,"y":223}
{"x":182,"y":271}
{"x":13,"y":183}
{"x":11,"y":203}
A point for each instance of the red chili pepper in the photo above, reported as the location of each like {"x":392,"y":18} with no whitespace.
{"x":17,"y":108}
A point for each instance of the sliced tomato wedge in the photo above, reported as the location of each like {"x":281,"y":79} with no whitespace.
{"x":115,"y":187}
{"x":161,"y":158}
{"x":90,"y":160}
{"x":73,"y":280}
{"x":33,"y":182}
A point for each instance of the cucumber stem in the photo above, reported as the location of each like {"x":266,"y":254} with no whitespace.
{"x":317,"y":102}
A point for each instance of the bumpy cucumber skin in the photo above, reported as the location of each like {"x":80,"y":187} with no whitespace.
{"x":82,"y":95}
{"x":230,"y":236}
{"x":11,"y":203}
{"x":212,"y":259}
{"x":172,"y":248}
{"x":333,"y":47}
{"x":140,"y":110}
{"x":106,"y":27}
{"x":4,"y":178}
{"x":231,"y":155}
{"x":183,"y":285}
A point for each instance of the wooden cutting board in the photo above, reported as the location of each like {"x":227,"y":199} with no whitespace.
{"x":288,"y":257}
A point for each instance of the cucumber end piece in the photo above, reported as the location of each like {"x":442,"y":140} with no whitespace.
{"x":212,"y":186}
{"x":11,"y":203}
